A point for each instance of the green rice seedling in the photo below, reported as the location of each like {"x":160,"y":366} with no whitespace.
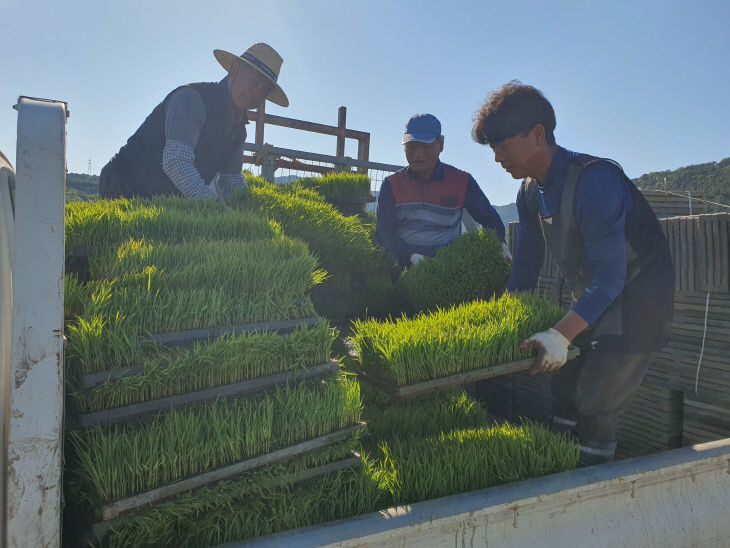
{"x":341,"y":243}
{"x":403,"y":471}
{"x":418,"y":417}
{"x":226,"y":360}
{"x":470,"y":268}
{"x":133,"y":255}
{"x":288,"y":188}
{"x":104,"y":338}
{"x":466,"y":460}
{"x":335,"y":186}
{"x":444,"y":342}
{"x":243,"y":269}
{"x":257,"y":505}
{"x":120,"y":461}
{"x":109,"y":222}
{"x":96,"y":343}
{"x":174,"y":518}
{"x":73,"y":296}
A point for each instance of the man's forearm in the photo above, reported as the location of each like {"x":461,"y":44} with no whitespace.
{"x":178,"y":163}
{"x":571,"y":325}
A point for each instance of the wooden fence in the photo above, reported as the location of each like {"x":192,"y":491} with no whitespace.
{"x":270,"y":158}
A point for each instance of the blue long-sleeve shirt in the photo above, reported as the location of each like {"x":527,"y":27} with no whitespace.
{"x":475,"y":202}
{"x":602,"y":203}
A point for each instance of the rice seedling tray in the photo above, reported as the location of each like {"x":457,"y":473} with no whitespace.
{"x":443,"y":383}
{"x":352,"y":200}
{"x":127,"y":505}
{"x":186,"y":338}
{"x":99,"y":529}
{"x":248,"y":388}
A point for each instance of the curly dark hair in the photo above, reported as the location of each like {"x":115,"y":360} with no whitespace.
{"x":513,"y":109}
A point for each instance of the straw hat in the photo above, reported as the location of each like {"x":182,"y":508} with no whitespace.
{"x":264,"y":59}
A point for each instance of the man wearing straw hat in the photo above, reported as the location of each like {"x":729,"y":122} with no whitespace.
{"x":191,"y":143}
{"x":613,"y":255}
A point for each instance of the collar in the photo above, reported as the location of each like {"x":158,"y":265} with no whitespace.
{"x":557,"y":166}
{"x":437,"y":175}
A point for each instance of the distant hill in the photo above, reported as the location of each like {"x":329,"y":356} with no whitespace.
{"x":508,"y":213}
{"x":81,"y":187}
{"x":286,"y":179}
{"x":711,"y":179}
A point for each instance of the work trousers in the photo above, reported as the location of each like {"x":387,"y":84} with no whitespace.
{"x":590,"y":392}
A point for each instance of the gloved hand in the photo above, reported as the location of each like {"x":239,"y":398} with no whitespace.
{"x":506,"y":254}
{"x":416,"y":258}
{"x":215,"y":187}
{"x":552,"y":351}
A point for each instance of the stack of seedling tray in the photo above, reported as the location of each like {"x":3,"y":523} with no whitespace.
{"x":343,"y":245}
{"x":652,"y":422}
{"x":677,"y":363}
{"x":195,"y":362}
{"x":704,"y":422}
{"x":465,"y":343}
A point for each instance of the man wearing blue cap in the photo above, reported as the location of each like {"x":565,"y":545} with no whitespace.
{"x":420,"y":207}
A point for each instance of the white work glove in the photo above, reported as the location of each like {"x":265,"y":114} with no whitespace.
{"x":506,"y":254}
{"x":216,"y":189}
{"x":552,"y":351}
{"x":416,"y":258}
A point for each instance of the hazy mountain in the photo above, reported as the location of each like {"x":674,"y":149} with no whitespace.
{"x":508,"y":213}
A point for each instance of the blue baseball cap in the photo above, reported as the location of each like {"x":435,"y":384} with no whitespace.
{"x":422,"y":127}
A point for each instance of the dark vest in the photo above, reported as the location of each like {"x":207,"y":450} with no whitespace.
{"x":640,"y":317}
{"x":429,"y":215}
{"x":139,"y":162}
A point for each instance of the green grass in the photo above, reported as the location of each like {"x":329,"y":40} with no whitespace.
{"x":120,"y":461}
{"x":470,"y":268}
{"x":445,"y":342}
{"x":225,"y":360}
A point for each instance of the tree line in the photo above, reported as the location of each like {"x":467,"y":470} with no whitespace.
{"x":711,"y":179}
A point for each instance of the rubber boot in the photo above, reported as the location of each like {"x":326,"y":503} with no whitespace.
{"x":596,"y":453}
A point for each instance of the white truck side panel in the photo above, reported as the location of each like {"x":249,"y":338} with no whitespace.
{"x":35,"y":449}
{"x":6,"y":311}
{"x":677,"y":498}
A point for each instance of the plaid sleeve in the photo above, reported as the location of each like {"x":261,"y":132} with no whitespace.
{"x":178,"y":163}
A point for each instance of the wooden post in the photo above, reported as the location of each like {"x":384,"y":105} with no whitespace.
{"x":363,"y":151}
{"x":260,"y":121}
{"x":341,"y":126}
{"x":268,"y":169}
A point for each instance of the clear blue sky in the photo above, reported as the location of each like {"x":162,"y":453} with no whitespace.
{"x":644,"y":82}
